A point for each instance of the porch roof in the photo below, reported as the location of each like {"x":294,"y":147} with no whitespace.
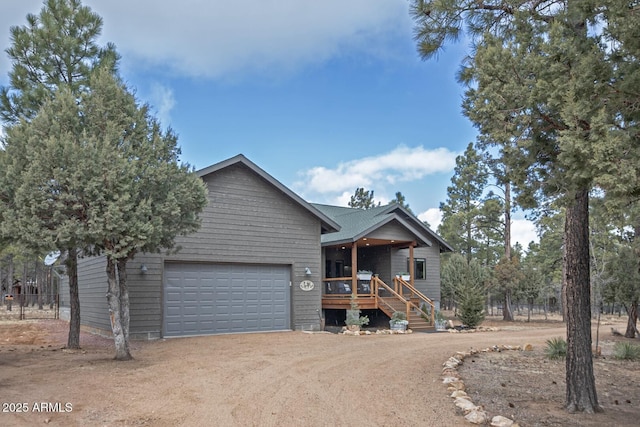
{"x":358,"y":223}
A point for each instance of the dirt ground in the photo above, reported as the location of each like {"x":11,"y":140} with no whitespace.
{"x":296,"y":379}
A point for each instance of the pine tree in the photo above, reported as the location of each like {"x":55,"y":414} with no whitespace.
{"x":362,"y":199}
{"x":104,"y":178}
{"x":91,"y":170}
{"x":542,"y":74}
{"x":56,"y":49}
{"x":461,"y":210}
{"x":400,"y":200}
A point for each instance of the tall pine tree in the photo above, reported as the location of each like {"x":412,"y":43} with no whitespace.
{"x":55,"y":50}
{"x":541,"y":74}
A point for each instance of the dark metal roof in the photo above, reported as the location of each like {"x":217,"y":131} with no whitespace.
{"x":357,"y":223}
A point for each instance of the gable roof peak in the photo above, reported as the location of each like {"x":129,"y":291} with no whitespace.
{"x":328,"y":224}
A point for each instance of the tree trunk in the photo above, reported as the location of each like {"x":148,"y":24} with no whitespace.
{"x":633,"y":319}
{"x":581,"y":388}
{"x":113,"y":299}
{"x":10,"y":282}
{"x":507,"y":311}
{"x":507,"y":220}
{"x":124,"y":301}
{"x":24,"y":295}
{"x":40,"y":284}
{"x":74,"y":299}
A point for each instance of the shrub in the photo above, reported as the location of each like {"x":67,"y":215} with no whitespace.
{"x":399,"y":315}
{"x":471,"y":306}
{"x":353,"y":315}
{"x":556,"y":348}
{"x":626,"y":351}
{"x":425,"y":312}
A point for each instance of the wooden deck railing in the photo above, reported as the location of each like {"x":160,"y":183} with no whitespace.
{"x":342,"y":286}
{"x":337,"y":293}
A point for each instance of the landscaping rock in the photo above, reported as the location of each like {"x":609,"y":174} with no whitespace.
{"x":476,"y":417}
{"x":500,"y":421}
{"x":461,"y":394}
{"x":457,"y":385}
{"x":466,"y":405}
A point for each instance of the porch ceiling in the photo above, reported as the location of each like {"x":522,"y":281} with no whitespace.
{"x":369,"y":242}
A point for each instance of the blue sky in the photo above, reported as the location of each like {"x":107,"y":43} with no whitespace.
{"x":325,"y":96}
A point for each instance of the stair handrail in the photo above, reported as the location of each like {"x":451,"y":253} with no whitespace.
{"x":420,"y":295}
{"x":415,"y":291}
{"x":377,"y":281}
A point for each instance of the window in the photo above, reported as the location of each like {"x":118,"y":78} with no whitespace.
{"x":420,"y":268}
{"x":339,"y":268}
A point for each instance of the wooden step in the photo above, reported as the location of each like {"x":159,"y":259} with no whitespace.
{"x":416,"y":322}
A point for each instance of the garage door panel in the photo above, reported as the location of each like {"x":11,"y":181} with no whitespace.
{"x":213,"y":298}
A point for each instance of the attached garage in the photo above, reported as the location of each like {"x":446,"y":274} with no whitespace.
{"x":240,"y":272}
{"x":203,"y":299}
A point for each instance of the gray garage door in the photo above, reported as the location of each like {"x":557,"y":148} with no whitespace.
{"x":202,"y":299}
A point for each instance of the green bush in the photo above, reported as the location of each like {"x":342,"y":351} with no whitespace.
{"x":556,"y":348}
{"x":353,"y":315}
{"x":425,"y":312}
{"x":471,"y":306}
{"x":399,"y":315}
{"x":626,"y":351}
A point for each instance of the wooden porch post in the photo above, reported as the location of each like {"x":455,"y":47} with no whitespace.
{"x":412,"y":266}
{"x":354,"y":269}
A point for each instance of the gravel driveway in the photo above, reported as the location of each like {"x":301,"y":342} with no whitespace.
{"x":271,"y":379}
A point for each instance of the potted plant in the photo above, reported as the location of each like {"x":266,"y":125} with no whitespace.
{"x":398,"y":321}
{"x":440,"y":321}
{"x":354,"y":321}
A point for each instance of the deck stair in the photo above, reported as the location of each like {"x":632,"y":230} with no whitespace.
{"x":404,"y":298}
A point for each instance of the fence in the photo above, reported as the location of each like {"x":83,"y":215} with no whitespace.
{"x":31,"y":306}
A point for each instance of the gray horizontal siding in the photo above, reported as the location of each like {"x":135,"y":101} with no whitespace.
{"x":431,"y":286}
{"x":392,"y":231}
{"x":248,"y":221}
{"x":92,"y":289}
{"x":145,"y":296}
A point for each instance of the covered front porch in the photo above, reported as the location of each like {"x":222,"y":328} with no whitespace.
{"x":363,"y":272}
{"x":384,"y":259}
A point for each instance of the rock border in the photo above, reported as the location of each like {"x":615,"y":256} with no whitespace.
{"x":346,"y":331}
{"x":455,"y":385}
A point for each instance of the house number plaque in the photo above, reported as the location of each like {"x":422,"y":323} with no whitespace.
{"x":306,"y":285}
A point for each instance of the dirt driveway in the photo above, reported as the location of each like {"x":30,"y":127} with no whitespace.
{"x":273,"y":379}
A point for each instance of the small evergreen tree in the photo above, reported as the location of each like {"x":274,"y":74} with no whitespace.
{"x":471,"y":304}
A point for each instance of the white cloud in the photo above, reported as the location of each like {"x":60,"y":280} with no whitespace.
{"x":220,"y":38}
{"x":403,"y":164}
{"x":433,"y":216}
{"x":163,"y":101}
{"x":523,"y":231}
